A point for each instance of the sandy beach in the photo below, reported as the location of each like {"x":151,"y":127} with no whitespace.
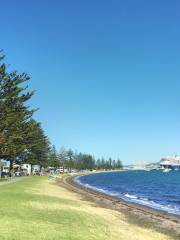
{"x":135,"y":215}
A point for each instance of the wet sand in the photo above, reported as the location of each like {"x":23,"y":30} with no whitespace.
{"x":136,"y":214}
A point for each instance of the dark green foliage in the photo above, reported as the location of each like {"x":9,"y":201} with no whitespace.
{"x":53,"y":160}
{"x":80,"y":161}
{"x":21,"y":138}
{"x":37,"y":145}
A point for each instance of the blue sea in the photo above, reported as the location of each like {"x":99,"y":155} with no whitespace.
{"x":154,"y":189}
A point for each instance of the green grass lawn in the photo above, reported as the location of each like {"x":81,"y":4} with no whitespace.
{"x":25,"y":214}
{"x":37,"y":209}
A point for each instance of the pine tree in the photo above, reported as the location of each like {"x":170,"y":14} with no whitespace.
{"x":37,"y":145}
{"x":53,"y":159}
{"x":14,"y":114}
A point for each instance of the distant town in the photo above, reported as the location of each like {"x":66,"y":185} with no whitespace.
{"x":165,"y":164}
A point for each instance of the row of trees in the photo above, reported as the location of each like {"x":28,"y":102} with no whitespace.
{"x":22,"y":139}
{"x":73,"y":160}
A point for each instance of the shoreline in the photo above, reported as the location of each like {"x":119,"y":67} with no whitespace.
{"x":161,"y":220}
{"x":135,"y":204}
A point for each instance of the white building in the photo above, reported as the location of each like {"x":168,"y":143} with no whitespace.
{"x":36,"y":168}
{"x":26,"y":168}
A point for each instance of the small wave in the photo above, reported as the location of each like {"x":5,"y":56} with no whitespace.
{"x":132,"y":198}
{"x":150,"y":203}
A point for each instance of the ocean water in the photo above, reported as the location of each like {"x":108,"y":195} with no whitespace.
{"x":154,"y":189}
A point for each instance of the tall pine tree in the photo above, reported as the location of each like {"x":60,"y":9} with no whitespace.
{"x":14,"y":114}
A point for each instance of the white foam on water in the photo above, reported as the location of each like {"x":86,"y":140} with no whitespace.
{"x":132,"y":198}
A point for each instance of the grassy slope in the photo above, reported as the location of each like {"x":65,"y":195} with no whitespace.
{"x":37,"y":209}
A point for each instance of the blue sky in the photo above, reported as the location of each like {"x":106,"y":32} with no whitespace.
{"x":106,"y":73}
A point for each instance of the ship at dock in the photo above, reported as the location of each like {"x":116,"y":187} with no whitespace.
{"x":170,"y":162}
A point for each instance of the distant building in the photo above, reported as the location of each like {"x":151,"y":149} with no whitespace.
{"x":26,"y":168}
{"x":36,"y":168}
{"x":5,"y":166}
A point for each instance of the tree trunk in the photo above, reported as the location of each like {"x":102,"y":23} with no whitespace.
{"x":11,"y":168}
{"x":0,"y":168}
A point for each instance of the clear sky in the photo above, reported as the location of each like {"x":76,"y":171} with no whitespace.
{"x":107,"y":73}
